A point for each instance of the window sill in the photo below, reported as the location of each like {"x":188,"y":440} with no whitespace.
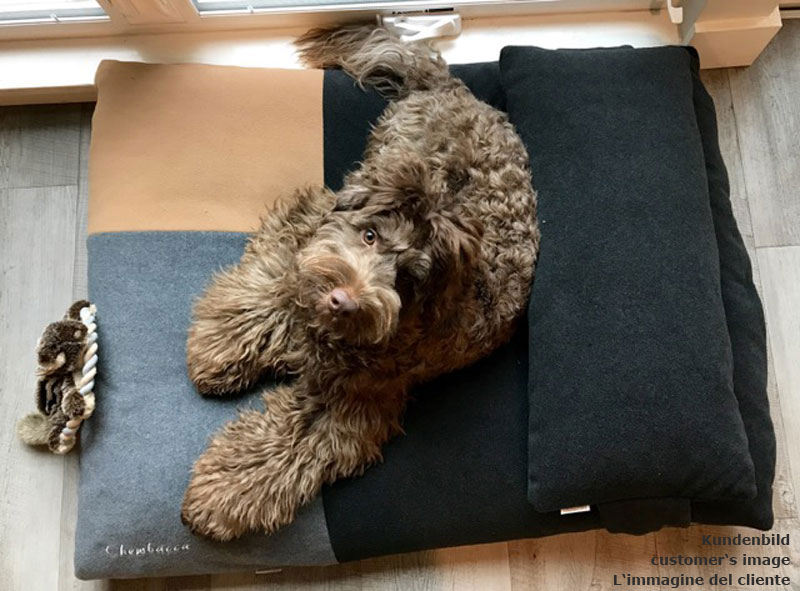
{"x":62,"y":70}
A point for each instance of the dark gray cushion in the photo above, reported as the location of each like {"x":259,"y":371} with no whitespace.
{"x":631,"y":383}
{"x":150,"y":424}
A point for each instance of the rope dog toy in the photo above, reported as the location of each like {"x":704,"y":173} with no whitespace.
{"x":67,"y":356}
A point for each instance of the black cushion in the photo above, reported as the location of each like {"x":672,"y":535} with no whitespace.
{"x":746,"y":328}
{"x":631,"y":389}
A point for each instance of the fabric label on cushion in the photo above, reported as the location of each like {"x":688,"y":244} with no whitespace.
{"x":573,"y":510}
{"x":631,"y":392}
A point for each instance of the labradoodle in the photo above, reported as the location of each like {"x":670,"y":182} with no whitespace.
{"x":421,"y":264}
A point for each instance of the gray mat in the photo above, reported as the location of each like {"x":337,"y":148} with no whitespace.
{"x":137,"y":452}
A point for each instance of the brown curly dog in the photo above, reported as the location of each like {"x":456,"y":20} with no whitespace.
{"x":420,"y":265}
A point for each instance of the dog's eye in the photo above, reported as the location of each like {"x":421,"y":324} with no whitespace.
{"x":369,"y":236}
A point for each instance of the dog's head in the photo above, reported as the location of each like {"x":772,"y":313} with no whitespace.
{"x":391,"y":242}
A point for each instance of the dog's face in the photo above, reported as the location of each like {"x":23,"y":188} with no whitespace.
{"x":377,"y":254}
{"x":349,"y":278}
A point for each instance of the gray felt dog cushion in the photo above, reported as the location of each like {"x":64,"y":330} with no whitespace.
{"x":459,"y":475}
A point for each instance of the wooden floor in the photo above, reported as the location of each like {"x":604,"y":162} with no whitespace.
{"x":43,"y":152}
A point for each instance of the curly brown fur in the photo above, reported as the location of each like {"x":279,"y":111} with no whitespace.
{"x":445,"y":191}
{"x":374,"y":57}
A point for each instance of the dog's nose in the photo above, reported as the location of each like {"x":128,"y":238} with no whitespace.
{"x":340,"y":301}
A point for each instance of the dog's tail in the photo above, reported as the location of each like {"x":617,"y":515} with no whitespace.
{"x":375,"y":57}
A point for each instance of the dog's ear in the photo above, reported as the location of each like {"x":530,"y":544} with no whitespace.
{"x":455,"y":238}
{"x":400,"y":188}
{"x":413,"y":272}
{"x":409,"y":179}
{"x":350,"y":200}
{"x":415,"y":264}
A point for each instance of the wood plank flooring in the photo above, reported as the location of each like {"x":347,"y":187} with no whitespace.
{"x":43,"y":156}
{"x":37,"y":238}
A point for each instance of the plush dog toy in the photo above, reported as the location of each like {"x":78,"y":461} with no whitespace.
{"x":67,"y":356}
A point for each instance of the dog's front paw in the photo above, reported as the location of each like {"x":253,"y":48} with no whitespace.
{"x":213,"y":366}
{"x":231,"y":490}
{"x":211,"y":381}
{"x":253,"y":477}
{"x":206,"y":510}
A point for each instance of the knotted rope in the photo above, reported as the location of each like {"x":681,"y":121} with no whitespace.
{"x":84,"y":380}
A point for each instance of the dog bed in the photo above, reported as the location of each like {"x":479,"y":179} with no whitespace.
{"x":636,"y":386}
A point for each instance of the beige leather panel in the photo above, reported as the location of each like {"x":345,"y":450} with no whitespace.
{"x":194,"y":147}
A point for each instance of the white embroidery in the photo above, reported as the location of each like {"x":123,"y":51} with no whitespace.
{"x":122,"y":550}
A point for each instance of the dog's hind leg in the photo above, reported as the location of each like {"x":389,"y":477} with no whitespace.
{"x":241,"y":325}
{"x":260,"y":469}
